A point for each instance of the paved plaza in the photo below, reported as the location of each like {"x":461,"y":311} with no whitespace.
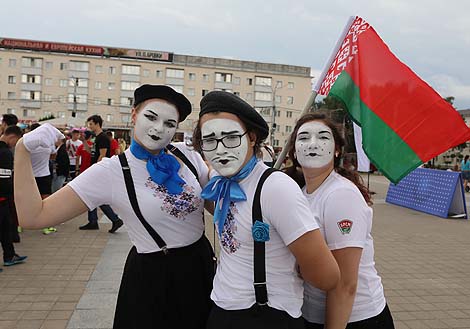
{"x":72,"y":277}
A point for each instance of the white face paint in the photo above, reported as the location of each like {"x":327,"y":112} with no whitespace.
{"x":314,"y":145}
{"x":156,"y":125}
{"x":226,"y":161}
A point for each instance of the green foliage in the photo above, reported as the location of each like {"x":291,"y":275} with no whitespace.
{"x":47,"y":117}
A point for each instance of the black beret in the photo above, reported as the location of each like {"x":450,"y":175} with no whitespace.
{"x":222,"y":101}
{"x":146,"y":92}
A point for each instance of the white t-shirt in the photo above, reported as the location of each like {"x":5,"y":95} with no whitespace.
{"x":40,"y":163}
{"x":285,"y":210}
{"x":345,"y":221}
{"x":176,"y":218}
{"x":72,"y":147}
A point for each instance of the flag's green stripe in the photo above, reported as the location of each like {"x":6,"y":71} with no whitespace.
{"x":387,"y":151}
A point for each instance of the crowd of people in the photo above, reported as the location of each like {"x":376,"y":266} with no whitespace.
{"x":292,"y":254}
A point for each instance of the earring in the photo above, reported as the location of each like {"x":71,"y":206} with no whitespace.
{"x":336,"y":154}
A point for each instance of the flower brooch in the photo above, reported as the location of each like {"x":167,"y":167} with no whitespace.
{"x":260,"y":231}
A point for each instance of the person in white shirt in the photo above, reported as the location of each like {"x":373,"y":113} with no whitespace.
{"x":256,"y":284}
{"x":156,"y":190}
{"x":345,"y":218}
{"x":71,"y":147}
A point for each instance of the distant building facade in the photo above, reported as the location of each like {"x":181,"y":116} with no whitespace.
{"x":39,"y":79}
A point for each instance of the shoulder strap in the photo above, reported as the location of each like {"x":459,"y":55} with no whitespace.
{"x":133,"y":199}
{"x":259,"y":258}
{"x":176,"y":151}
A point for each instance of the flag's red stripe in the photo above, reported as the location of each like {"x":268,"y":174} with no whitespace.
{"x":408,"y":105}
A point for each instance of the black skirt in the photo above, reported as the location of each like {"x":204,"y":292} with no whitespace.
{"x":166,"y":291}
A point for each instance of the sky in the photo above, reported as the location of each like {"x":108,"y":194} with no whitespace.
{"x":431,"y":36}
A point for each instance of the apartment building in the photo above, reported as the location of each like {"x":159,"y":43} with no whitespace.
{"x":39,"y":79}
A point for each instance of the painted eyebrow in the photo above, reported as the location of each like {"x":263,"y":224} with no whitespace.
{"x":153,"y":112}
{"x":324,"y":131}
{"x":303,"y":133}
{"x":210,"y":135}
{"x":171,"y":120}
{"x":229,"y":132}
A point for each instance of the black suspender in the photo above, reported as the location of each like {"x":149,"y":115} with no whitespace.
{"x":259,"y":258}
{"x":133,"y":199}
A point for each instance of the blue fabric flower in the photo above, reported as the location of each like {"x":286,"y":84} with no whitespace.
{"x":260,"y":231}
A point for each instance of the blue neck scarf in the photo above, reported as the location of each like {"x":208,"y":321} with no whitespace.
{"x":223,"y":190}
{"x":163,"y":168}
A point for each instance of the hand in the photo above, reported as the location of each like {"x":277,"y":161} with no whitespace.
{"x":42,"y":139}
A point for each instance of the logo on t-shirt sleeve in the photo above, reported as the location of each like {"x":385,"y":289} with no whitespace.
{"x":345,"y":226}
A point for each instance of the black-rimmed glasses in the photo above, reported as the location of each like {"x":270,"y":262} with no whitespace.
{"x":229,"y":141}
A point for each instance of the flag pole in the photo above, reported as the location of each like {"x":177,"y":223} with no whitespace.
{"x":314,"y":93}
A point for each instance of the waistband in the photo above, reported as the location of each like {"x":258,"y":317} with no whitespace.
{"x":177,"y":251}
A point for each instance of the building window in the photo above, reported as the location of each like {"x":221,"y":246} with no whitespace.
{"x":177,"y":88}
{"x":29,"y":113}
{"x":192,"y":76}
{"x":249,"y":96}
{"x":205,"y":77}
{"x":236,"y":80}
{"x":97,"y":84}
{"x":191,"y":92}
{"x":127,"y":101}
{"x":159,"y":74}
{"x":290,"y":100}
{"x":79,"y":66}
{"x":129,"y":85}
{"x":278,"y":113}
{"x":61,"y":99}
{"x":223,"y":77}
{"x":224,"y":89}
{"x":80,"y":99}
{"x":276,"y":142}
{"x":30,"y":78}
{"x":130,"y":69}
{"x":278,"y":99}
{"x":11,"y":95}
{"x":49,"y":65}
{"x":31,"y":62}
{"x":31,"y":95}
{"x":80,"y":82}
{"x":11,"y":79}
{"x":112,"y":85}
{"x":112,"y":70}
{"x":63,"y":66}
{"x":11,"y":111}
{"x":279,"y":84}
{"x":125,"y":118}
{"x":264,"y":111}
{"x":109,"y":117}
{"x":204,"y":92}
{"x":175,"y":73}
{"x":278,"y":128}
{"x":288,"y":114}
{"x":263,"y":81}
{"x":146,"y":73}
{"x":47,"y":98}
{"x":249,"y":81}
{"x":290,"y":85}
{"x":48,"y":81}
{"x":61,"y":114}
{"x":63,"y":83}
{"x":12,"y":62}
{"x":97,"y":101}
{"x":263,"y":96}
{"x":288,"y":129}
{"x":98,"y":69}
{"x":110,"y":101}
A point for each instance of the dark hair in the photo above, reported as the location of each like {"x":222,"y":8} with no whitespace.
{"x":109,"y":133}
{"x":466,"y":157}
{"x":197,"y":135}
{"x":96,"y":119}
{"x":296,"y":170}
{"x":13,"y":130}
{"x":9,"y":119}
{"x":34,"y":126}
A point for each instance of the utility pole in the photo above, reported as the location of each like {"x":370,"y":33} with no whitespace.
{"x":74,"y":111}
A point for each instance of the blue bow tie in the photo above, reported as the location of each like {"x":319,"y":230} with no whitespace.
{"x":224,"y":190}
{"x":163,"y":168}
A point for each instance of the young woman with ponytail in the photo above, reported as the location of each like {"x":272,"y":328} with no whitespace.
{"x":343,"y":203}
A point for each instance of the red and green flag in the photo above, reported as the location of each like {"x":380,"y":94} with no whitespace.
{"x":404,"y":121}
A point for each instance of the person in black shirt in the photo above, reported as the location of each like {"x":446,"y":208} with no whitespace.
{"x":62,"y":166}
{"x":7,"y":141}
{"x":100,"y":150}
